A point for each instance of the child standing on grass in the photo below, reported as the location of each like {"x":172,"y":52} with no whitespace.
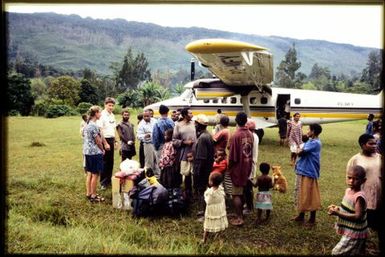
{"x":93,"y":151}
{"x":351,"y":215}
{"x":263,"y":198}
{"x":215,"y":213}
{"x":169,"y":175}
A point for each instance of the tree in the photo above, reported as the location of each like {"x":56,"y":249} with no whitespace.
{"x":88,"y":92}
{"x":130,"y":98}
{"x":179,"y":89}
{"x":19,"y":95}
{"x":150,"y":93}
{"x":38,"y":89}
{"x":66,"y":89}
{"x":285,"y":75}
{"x":372,"y":73}
{"x":132,"y":71}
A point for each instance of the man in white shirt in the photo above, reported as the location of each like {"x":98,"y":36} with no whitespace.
{"x":144,"y":134}
{"x":107,"y":125}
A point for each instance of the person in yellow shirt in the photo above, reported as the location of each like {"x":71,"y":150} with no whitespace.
{"x":150,"y":176}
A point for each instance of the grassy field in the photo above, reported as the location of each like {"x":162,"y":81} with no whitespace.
{"x":48,"y":211}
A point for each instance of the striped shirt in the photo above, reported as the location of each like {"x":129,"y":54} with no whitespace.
{"x":353,"y":229}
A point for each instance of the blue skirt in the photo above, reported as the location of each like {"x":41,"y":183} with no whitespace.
{"x":94,"y":163}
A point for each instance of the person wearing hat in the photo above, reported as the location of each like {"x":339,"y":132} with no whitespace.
{"x":203,"y":161}
{"x":240,"y":163}
{"x":162,"y":124}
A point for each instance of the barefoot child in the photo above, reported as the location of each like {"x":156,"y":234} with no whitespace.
{"x":263,"y":198}
{"x":351,"y":215}
{"x":215,"y":213}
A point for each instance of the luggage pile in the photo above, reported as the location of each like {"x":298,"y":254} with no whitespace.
{"x":131,"y":191}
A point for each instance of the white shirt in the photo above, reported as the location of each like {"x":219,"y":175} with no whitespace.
{"x":107,"y":124}
{"x":253,"y":172}
{"x":145,"y":128}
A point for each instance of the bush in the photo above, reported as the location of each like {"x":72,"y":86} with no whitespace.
{"x":13,"y":113}
{"x":55,"y":111}
{"x":117,"y":109}
{"x":40,"y":108}
{"x":83,"y":107}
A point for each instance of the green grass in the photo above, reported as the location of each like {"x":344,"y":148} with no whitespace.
{"x":48,"y":212}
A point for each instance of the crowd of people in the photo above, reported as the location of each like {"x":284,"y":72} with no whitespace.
{"x":218,"y":170}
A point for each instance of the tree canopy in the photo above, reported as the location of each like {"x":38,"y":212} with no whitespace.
{"x":19,"y":95}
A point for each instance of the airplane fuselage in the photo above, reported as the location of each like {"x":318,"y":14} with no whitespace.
{"x":314,"y":106}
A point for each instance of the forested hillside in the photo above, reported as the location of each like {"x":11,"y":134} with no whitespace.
{"x":70,"y":42}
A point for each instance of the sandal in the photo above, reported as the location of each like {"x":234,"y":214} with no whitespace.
{"x":96,"y":199}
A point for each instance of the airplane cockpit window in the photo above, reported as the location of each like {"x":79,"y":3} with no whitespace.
{"x":297,"y":100}
{"x":224,"y":100}
{"x":215,"y":101}
{"x":253,"y":100}
{"x":263,"y":100}
{"x":233,"y":100}
{"x":206,"y":101}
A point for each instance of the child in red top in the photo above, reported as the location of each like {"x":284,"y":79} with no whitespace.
{"x":220,"y":162}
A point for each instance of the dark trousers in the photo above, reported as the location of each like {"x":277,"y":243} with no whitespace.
{"x":188,"y":188}
{"x":141,"y":155}
{"x":108,"y":161}
{"x":127,"y":154}
{"x":248,"y":194}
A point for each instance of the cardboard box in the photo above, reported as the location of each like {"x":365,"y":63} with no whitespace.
{"x":120,"y":193}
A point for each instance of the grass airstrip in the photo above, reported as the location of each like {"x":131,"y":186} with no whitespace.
{"x":48,"y":212}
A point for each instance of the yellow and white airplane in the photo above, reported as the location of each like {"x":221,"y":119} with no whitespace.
{"x":244,"y":83}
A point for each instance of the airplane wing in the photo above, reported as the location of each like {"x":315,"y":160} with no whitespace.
{"x":234,"y":62}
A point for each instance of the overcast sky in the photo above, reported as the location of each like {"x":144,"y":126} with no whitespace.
{"x":360,"y":25}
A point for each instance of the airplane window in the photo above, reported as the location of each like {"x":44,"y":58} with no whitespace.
{"x":224,"y":100}
{"x":233,"y":100}
{"x":253,"y":100}
{"x":206,"y":101}
{"x":297,"y":100}
{"x":215,"y":101}
{"x":263,"y":100}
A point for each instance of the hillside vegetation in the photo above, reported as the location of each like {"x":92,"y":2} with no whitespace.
{"x":74,"y":43}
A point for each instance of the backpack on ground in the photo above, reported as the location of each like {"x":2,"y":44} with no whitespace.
{"x":147,"y":201}
{"x":176,"y":203}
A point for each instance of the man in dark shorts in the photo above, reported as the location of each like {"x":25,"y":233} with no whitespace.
{"x":240,"y":163}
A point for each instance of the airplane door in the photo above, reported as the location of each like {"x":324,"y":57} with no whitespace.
{"x":282,"y":108}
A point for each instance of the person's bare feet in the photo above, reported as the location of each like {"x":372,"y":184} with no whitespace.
{"x":298,"y":219}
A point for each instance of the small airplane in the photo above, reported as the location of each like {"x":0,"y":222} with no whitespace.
{"x":245,"y":83}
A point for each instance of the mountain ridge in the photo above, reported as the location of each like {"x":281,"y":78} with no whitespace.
{"x":72,"y":42}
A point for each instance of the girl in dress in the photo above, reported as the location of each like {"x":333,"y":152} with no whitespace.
{"x":294,"y":136}
{"x":263,"y":197}
{"x":169,"y":175}
{"x":215,"y":213}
